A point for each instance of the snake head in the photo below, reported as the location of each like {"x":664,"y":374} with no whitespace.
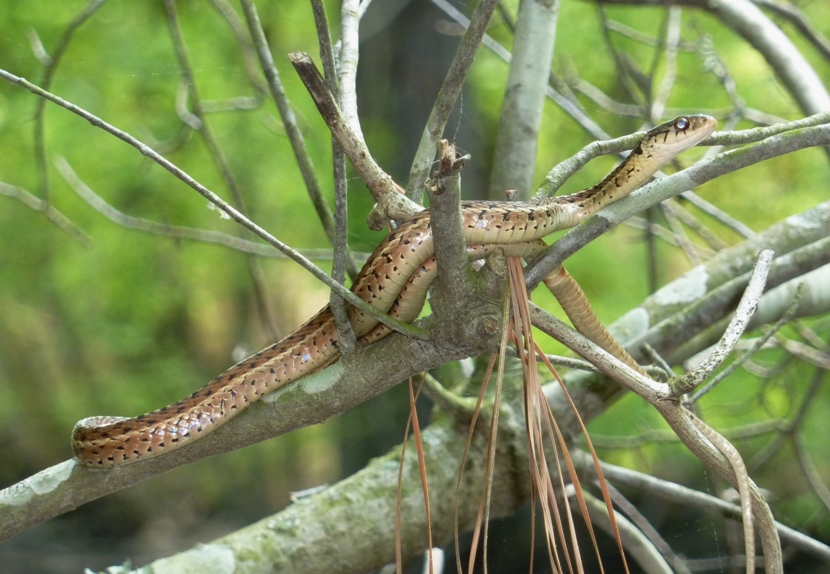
{"x":664,"y":142}
{"x":682,"y":132}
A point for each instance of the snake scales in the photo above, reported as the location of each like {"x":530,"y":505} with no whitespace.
{"x":395,"y":279}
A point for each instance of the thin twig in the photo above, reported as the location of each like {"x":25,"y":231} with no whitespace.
{"x":557,"y":176}
{"x":343,"y":261}
{"x":588,"y":124}
{"x":718,"y":214}
{"x":289,"y":120}
{"x":797,"y":18}
{"x":447,"y":96}
{"x":51,"y":68}
{"x":249,"y":58}
{"x":674,"y":21}
{"x":691,"y":221}
{"x":746,"y":355}
{"x":742,"y":478}
{"x":49,"y":211}
{"x":407,"y":329}
{"x":387,"y":193}
{"x":746,"y":308}
{"x":349,"y":54}
{"x":665,"y":436}
{"x":175,"y":231}
{"x":680,"y":236}
{"x":203,"y":128}
{"x":689,"y":497}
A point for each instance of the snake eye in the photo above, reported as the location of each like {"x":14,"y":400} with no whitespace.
{"x":682,"y":124}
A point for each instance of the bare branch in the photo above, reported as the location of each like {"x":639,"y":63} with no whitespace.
{"x":757,"y":345}
{"x":746,"y":308}
{"x":201,"y":125}
{"x":49,"y":212}
{"x":660,"y":190}
{"x":686,"y":496}
{"x":514,"y":156}
{"x":51,"y":63}
{"x":175,"y":231}
{"x":447,"y":96}
{"x":292,"y":129}
{"x":797,"y":18}
{"x":742,"y":478}
{"x":386,"y":192}
{"x":218,"y":202}
{"x":350,"y":14}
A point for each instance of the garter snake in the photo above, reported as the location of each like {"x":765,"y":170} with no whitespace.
{"x":395,"y":279}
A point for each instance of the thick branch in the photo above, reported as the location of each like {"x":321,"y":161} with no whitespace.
{"x":521,"y":114}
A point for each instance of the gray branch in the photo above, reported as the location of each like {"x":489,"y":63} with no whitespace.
{"x":521,"y":114}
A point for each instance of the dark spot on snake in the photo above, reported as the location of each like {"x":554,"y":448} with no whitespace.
{"x":273,"y":372}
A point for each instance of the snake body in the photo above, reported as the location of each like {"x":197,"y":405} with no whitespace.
{"x":395,"y":279}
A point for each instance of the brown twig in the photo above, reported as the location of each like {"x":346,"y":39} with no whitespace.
{"x":386,"y":192}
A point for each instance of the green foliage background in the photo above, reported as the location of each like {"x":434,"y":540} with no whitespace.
{"x":138,"y":321}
